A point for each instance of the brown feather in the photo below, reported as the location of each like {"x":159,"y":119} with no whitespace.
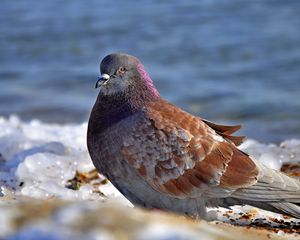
{"x":237,"y":140}
{"x":241,"y":171}
{"x":226,"y":131}
{"x":189,"y":158}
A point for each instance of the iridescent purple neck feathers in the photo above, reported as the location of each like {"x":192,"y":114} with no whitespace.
{"x":145,"y":76}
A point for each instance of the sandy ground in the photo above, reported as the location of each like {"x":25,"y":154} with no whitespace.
{"x":27,"y":218}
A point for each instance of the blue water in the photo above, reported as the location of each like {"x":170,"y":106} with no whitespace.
{"x":231,"y":61}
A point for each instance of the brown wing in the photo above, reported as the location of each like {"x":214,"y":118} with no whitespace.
{"x":180,"y":155}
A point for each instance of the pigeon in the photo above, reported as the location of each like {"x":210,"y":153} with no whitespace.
{"x":162,"y":157}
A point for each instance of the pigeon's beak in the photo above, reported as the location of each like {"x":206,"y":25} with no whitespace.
{"x":102,"y":80}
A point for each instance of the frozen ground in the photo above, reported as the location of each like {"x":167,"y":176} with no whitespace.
{"x":51,"y":162}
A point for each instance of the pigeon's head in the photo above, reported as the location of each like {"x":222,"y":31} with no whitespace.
{"x":123,"y":74}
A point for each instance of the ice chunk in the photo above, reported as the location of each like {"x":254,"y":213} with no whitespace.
{"x":263,"y":153}
{"x":270,"y":160}
{"x":37,"y":159}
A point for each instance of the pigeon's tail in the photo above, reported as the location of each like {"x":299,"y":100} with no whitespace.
{"x":287,"y":208}
{"x":274,"y":191}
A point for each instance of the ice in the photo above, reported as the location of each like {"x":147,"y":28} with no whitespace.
{"x":38,"y":159}
{"x":273,"y":155}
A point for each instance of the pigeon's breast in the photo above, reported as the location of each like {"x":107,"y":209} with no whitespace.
{"x":105,"y":149}
{"x":104,"y":146}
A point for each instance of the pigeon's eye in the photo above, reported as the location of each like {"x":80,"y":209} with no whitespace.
{"x":121,"y":70}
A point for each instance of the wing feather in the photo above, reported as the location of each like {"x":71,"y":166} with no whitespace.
{"x":271,"y":186}
{"x":182,"y":156}
{"x":226,"y":131}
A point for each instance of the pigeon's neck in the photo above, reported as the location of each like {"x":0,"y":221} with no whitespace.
{"x":147,"y":80}
{"x":109,"y":110}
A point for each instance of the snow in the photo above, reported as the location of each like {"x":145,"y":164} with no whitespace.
{"x":37,"y":160}
{"x":273,"y":155}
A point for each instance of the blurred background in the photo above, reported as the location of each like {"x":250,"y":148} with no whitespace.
{"x":230,"y":61}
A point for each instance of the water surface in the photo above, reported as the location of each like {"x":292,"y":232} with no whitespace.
{"x":231,"y":61}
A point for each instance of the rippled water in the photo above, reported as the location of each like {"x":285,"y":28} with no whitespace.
{"x":230,"y":61}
